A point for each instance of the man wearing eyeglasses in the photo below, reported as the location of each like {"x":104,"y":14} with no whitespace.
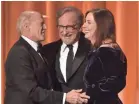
{"x":67,"y":56}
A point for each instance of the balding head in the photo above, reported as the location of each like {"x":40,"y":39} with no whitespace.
{"x":31,"y":24}
{"x":25,"y":18}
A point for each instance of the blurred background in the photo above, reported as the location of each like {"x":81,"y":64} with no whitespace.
{"x":127,"y":24}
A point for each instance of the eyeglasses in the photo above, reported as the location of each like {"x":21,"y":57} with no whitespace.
{"x":68,"y":27}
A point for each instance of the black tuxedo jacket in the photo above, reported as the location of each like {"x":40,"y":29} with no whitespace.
{"x":75,"y":81}
{"x":27,"y":77}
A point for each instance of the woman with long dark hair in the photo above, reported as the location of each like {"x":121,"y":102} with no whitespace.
{"x":105,"y":74}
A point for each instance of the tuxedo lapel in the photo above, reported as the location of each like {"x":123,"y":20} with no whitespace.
{"x":59,"y":73}
{"x":81,"y":54}
{"x":33,"y":53}
{"x":40,"y":65}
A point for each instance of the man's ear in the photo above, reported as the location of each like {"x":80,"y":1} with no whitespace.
{"x":26,"y":26}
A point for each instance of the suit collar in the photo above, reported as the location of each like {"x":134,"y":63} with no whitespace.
{"x":32,"y":51}
{"x":57,"y":65}
{"x":31,"y":42}
{"x":25,"y":43}
{"x":83,"y":49}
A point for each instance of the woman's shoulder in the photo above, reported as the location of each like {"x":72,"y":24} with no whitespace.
{"x":111,"y":53}
{"x":108,"y":51}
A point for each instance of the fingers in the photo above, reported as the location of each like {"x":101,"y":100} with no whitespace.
{"x":83,"y":95}
{"x":76,"y":97}
{"x":83,"y":98}
{"x":78,"y":91}
{"x":85,"y":101}
{"x":73,"y":96}
{"x":82,"y":101}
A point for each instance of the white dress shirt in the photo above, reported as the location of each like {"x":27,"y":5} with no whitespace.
{"x":33,"y":44}
{"x":63,"y":57}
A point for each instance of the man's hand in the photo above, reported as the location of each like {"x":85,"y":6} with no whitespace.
{"x":83,"y":98}
{"x":76,"y":97}
{"x":73,"y":96}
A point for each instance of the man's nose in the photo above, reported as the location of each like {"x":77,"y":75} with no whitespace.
{"x":44,"y":26}
{"x":64,"y":31}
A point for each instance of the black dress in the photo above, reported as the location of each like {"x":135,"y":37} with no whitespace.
{"x":105,"y":75}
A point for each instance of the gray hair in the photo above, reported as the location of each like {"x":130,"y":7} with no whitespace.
{"x":78,"y":13}
{"x":25,"y":16}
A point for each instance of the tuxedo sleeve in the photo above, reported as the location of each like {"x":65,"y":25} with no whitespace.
{"x":21,"y":72}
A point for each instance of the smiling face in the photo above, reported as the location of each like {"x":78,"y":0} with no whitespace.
{"x":37,"y":28}
{"x":89,"y":27}
{"x":67,"y":27}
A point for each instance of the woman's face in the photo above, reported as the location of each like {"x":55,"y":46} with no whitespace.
{"x":89,"y":27}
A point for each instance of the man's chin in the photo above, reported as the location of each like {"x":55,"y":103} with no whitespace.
{"x":86,"y":36}
{"x":42,"y":39}
{"x":67,"y":42}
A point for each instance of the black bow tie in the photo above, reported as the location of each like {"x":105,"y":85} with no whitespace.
{"x":39,"y":47}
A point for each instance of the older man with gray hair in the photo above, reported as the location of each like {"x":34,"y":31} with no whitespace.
{"x":68,"y":56}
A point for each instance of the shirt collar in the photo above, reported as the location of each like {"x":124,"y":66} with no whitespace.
{"x":32,"y":43}
{"x":64,"y":46}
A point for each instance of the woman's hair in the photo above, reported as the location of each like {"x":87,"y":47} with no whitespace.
{"x":105,"y":25}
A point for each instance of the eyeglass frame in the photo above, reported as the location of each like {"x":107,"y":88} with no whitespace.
{"x":68,"y":26}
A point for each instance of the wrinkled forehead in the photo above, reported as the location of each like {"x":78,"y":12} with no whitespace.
{"x":39,"y":17}
{"x":36,"y":16}
{"x":68,"y":18}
